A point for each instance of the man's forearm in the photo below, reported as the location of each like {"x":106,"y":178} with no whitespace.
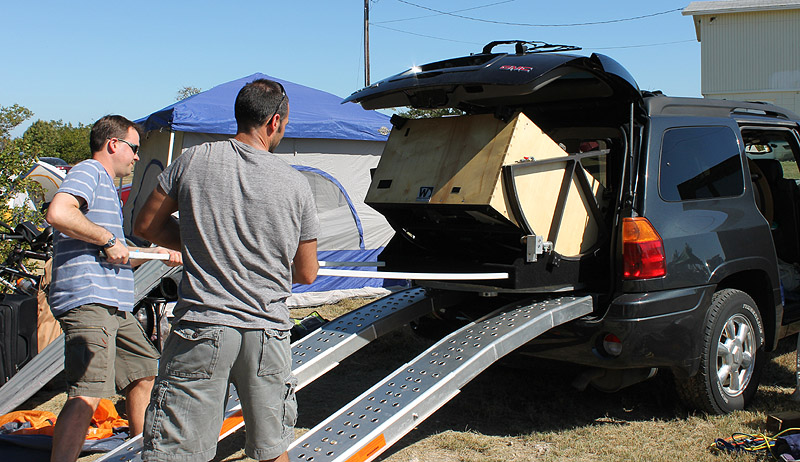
{"x":169,"y":235}
{"x":156,"y":223}
{"x":74,"y":224}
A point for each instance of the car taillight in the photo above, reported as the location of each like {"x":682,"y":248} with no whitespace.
{"x":642,"y":250}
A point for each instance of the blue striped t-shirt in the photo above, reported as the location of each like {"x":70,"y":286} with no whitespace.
{"x":80,"y":275}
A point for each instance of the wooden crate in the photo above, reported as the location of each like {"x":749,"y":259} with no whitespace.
{"x":459,"y":160}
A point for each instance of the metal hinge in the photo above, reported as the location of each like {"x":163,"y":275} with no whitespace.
{"x":535,"y":246}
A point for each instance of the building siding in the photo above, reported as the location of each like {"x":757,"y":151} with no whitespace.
{"x":752,"y":56}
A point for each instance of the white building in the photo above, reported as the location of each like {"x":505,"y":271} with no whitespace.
{"x":750,"y":50}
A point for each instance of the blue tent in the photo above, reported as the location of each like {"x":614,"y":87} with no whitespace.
{"x":312,"y":114}
{"x":333,"y":144}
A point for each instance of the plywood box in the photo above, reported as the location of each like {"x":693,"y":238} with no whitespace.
{"x":459,"y":161}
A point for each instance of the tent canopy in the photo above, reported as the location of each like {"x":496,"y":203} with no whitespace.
{"x":312,"y":114}
{"x":333,"y":145}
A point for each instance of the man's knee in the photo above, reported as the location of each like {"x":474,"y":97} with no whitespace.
{"x":144,"y":381}
{"x":90,"y":401}
{"x":139,"y":389}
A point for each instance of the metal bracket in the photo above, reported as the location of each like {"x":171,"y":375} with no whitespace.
{"x":535,"y":246}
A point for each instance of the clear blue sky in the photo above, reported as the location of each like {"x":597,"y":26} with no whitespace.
{"x":77,"y":61}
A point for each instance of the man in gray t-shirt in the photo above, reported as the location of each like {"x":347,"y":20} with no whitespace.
{"x":248,"y":229}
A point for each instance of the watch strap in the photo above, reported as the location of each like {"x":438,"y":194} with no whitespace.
{"x":111,"y":242}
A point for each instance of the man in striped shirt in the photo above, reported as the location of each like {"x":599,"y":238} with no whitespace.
{"x":91,"y":294}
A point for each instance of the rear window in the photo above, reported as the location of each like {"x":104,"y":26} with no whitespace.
{"x":700,"y":163}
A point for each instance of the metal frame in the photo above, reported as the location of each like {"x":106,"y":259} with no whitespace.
{"x":573,"y":169}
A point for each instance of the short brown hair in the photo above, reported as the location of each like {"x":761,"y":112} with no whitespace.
{"x":110,"y":126}
{"x":257,"y":102}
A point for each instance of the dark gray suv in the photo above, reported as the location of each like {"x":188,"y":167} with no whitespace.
{"x":675,"y":214}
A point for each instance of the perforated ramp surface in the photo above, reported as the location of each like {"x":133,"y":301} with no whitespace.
{"x":382,"y":415}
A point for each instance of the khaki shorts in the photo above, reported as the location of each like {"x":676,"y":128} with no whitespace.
{"x":184,"y":418}
{"x":104,"y":347}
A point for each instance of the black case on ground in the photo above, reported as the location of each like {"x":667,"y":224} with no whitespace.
{"x":18,"y":344}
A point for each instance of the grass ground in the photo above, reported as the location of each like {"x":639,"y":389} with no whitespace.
{"x":790,"y":170}
{"x":525,"y":410}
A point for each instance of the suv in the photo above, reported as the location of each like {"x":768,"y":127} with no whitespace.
{"x":664,"y":209}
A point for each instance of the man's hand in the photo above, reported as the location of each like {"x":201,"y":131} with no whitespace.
{"x":118,"y":253}
{"x":175,"y":257}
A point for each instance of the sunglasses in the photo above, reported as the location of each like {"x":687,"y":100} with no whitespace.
{"x":283,"y":97}
{"x":134,"y":147}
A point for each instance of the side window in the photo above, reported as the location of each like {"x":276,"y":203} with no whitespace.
{"x":778,"y":145}
{"x":700,"y":163}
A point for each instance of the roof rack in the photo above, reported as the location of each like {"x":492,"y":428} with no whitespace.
{"x":522,"y":47}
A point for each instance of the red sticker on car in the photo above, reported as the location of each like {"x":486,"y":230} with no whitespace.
{"x":516,"y":68}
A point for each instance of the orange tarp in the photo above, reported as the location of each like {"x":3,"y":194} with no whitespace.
{"x":104,"y":421}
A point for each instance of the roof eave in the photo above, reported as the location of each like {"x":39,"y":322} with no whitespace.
{"x":727,"y":6}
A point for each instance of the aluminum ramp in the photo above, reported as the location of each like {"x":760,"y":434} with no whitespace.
{"x":320,"y":351}
{"x":148,"y":276}
{"x":50,"y":361}
{"x":33,"y":376}
{"x":374,"y":421}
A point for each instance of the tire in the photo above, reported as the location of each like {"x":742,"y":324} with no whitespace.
{"x":429,"y":328}
{"x":732,"y":356}
{"x":145,"y":313}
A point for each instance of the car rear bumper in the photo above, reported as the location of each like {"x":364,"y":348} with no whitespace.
{"x":656,"y":329}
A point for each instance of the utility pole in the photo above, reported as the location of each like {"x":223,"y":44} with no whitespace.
{"x":366,"y":43}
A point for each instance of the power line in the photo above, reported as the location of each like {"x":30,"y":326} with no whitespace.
{"x":610,"y":21}
{"x":583,"y":47}
{"x":426,"y":36}
{"x":642,"y":46}
{"x":439,"y":14}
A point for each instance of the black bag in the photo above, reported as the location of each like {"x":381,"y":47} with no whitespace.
{"x":305,"y":326}
{"x":18,"y":344}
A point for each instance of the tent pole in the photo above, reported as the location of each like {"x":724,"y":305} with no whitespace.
{"x":171,"y":146}
{"x":366,"y":43}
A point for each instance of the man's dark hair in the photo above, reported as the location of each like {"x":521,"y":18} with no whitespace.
{"x":110,"y":126}
{"x":259,"y":101}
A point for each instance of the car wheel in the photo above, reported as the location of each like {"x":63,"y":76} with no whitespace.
{"x":145,"y":313}
{"x":732,"y":356}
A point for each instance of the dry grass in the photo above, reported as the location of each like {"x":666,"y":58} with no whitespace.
{"x":524,"y":410}
{"x":790,"y":170}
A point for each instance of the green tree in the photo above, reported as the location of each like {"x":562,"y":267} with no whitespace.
{"x":414,"y":113}
{"x":15,"y":160}
{"x":74,"y":143}
{"x":186,"y":92}
{"x":41,"y":139}
{"x":10,"y":118}
{"x":57,"y":139}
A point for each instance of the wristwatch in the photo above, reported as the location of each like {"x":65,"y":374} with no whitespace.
{"x":111,"y":242}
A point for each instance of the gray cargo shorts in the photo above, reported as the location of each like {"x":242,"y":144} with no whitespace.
{"x":185,"y":414}
{"x":104,"y":347}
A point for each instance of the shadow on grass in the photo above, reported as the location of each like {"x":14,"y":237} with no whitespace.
{"x":516,"y":397}
{"x":506,"y":399}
